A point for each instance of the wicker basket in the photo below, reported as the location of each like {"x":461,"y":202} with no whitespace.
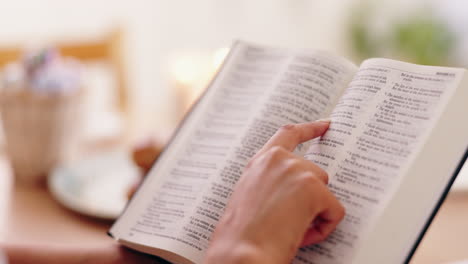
{"x":40,"y":131}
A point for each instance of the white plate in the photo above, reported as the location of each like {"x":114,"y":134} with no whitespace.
{"x":96,"y":186}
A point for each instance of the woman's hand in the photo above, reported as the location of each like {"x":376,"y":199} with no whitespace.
{"x":280,"y":203}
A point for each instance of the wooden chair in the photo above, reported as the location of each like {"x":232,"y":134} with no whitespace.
{"x":108,"y":48}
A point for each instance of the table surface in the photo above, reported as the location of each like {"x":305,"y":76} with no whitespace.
{"x":35,"y":217}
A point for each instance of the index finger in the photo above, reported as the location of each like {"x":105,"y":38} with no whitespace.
{"x":289,"y":136}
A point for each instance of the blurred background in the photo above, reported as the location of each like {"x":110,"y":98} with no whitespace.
{"x":143,"y":62}
{"x":159,"y":36}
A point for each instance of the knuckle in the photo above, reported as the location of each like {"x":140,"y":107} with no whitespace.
{"x":292,"y":164}
{"x":322,"y":174}
{"x":257,"y":160}
{"x":276,"y":152}
{"x":271,"y":156}
{"x":309,"y":180}
{"x":314,"y":178}
{"x":290,"y":129}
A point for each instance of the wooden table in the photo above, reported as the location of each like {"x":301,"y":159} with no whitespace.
{"x":35,"y":217}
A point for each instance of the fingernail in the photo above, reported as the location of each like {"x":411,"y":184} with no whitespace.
{"x":324,"y":120}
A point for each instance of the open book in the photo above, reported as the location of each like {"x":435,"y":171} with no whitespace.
{"x":397,"y":139}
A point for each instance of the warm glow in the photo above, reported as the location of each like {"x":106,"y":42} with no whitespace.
{"x":218,"y":57}
{"x":186,"y":69}
{"x":192,"y":71}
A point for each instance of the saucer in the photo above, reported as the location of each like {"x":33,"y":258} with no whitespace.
{"x":96,"y":186}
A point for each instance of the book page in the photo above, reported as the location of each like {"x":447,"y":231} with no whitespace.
{"x":157,"y":212}
{"x":377,"y":128}
{"x":258,"y":90}
{"x":307,"y":90}
{"x":423,"y":188}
